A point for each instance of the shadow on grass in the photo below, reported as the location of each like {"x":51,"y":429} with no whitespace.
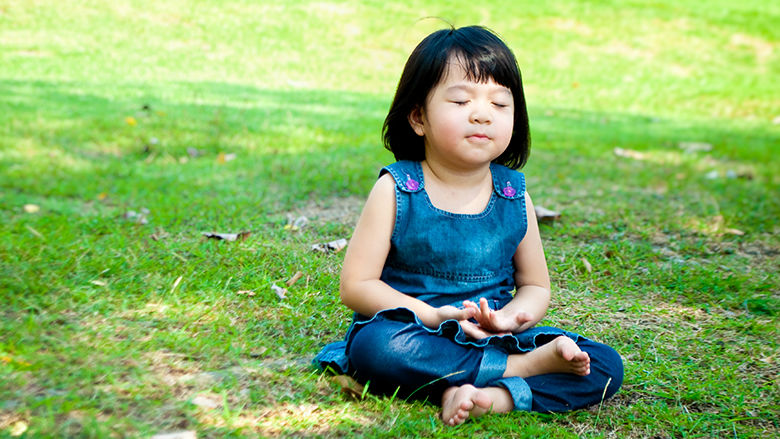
{"x":64,"y":145}
{"x":73,"y":138}
{"x":168,"y":147}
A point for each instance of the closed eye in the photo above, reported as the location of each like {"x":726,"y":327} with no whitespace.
{"x":460,"y":102}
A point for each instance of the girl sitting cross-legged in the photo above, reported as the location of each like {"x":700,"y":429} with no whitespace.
{"x":445,"y":270}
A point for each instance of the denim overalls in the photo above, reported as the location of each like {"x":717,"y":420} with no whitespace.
{"x":444,"y":258}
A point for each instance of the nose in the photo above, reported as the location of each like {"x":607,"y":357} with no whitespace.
{"x":480,"y":113}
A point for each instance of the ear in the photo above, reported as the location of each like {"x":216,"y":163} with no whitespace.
{"x":416,"y":119}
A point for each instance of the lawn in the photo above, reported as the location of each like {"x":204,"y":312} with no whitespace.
{"x":128,"y":130}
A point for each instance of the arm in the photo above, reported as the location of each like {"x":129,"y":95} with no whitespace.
{"x":361,"y":287}
{"x":532,"y":280}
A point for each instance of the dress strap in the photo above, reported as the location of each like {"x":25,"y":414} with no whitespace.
{"x":407,"y":174}
{"x":508,"y":183}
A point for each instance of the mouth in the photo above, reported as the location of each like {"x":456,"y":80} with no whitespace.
{"x":478,"y":137}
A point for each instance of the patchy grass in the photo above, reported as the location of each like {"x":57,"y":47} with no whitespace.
{"x":230,"y":117}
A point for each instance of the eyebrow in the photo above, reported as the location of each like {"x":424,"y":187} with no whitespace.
{"x":467,"y":87}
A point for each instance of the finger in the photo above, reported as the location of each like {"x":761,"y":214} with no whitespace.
{"x":488,"y":315}
{"x":472,"y":330}
{"x":468,"y":313}
{"x":483,"y":306}
{"x":470,"y":304}
{"x":480,"y":318}
{"x":523,"y":317}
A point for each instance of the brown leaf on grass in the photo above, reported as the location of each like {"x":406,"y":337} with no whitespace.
{"x":746,"y":175}
{"x":246,"y":292}
{"x":545,"y":215}
{"x":349,"y":386}
{"x":294,"y":278}
{"x":586,"y":264}
{"x":716,"y":226}
{"x":566,"y":323}
{"x":629,"y":153}
{"x":223,"y":158}
{"x":159,"y":235}
{"x":259,"y":353}
{"x":227,"y":236}
{"x":333,"y":246}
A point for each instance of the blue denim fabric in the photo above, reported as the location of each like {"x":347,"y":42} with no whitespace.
{"x":444,"y":258}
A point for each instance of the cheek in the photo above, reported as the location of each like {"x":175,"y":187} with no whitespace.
{"x":447,"y":123}
{"x":508,"y":122}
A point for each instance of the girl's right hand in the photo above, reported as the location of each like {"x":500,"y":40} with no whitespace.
{"x":463,"y":316}
{"x":449,"y":312}
{"x":499,"y":321}
{"x":476,"y":332}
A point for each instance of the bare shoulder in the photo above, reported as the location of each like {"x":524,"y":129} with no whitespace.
{"x":528,"y":198}
{"x":382,"y":196}
{"x":379,"y":210}
{"x":533,"y":226}
{"x":529,"y":206}
{"x":530,"y":263}
{"x":385,"y":185}
{"x":370,"y":242}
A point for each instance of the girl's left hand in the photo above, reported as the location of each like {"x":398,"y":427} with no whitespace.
{"x":492,"y":322}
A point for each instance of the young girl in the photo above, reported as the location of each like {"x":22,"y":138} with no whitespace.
{"x":447,"y":235}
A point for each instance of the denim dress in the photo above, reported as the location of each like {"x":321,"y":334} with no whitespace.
{"x":443,"y":258}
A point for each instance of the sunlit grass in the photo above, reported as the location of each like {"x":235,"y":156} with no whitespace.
{"x":110,"y":327}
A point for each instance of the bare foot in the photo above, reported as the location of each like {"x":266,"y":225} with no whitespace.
{"x":561,"y":355}
{"x":458,"y":403}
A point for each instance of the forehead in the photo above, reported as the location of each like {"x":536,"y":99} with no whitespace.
{"x":457,"y":77}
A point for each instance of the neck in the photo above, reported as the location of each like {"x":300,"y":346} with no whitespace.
{"x":458,"y":177}
{"x":462,"y":191}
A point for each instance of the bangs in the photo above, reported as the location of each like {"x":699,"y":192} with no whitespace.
{"x":482,"y":66}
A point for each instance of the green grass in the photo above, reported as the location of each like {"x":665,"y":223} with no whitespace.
{"x":113,"y":328}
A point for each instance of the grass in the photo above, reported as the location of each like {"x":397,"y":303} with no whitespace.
{"x":114,"y":328}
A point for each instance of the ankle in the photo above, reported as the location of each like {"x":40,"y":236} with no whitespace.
{"x":502,"y":399}
{"x":516,"y":366}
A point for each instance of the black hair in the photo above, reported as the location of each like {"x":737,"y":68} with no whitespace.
{"x":483,"y":56}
